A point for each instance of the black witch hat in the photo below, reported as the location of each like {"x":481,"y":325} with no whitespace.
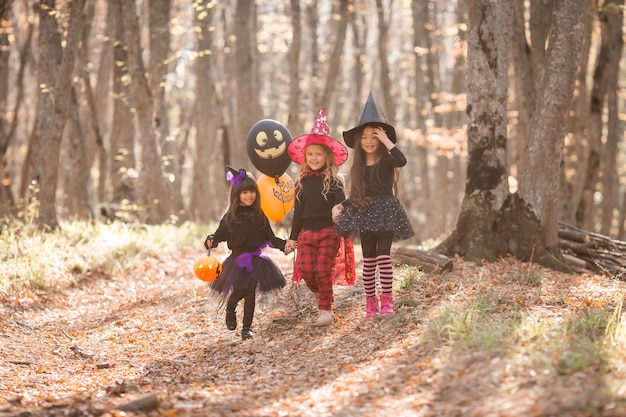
{"x":371,"y":116}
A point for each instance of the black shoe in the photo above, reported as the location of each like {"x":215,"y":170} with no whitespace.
{"x":246,"y":333}
{"x":231,"y":320}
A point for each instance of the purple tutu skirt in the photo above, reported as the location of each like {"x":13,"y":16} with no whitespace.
{"x":258,"y":274}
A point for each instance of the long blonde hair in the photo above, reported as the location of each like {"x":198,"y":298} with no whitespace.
{"x":330,"y":174}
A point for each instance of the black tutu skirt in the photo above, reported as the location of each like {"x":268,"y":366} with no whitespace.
{"x":385,"y":214}
{"x":265,"y":276}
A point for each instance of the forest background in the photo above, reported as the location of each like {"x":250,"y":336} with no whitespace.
{"x":511,"y":116}
{"x":131,"y":110}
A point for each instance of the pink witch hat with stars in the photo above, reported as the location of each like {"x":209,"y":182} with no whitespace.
{"x":320,"y":135}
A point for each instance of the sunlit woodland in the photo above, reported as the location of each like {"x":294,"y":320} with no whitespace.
{"x":131,"y":110}
{"x":118,"y":120}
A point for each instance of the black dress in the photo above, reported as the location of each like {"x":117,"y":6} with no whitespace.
{"x":247,"y":268}
{"x":385,"y":214}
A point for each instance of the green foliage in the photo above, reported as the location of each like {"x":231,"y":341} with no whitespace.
{"x":29,"y":257}
{"x":531,"y":277}
{"x":410,"y":277}
{"x":565,"y":345}
{"x":475,"y":327}
{"x":553,"y":344}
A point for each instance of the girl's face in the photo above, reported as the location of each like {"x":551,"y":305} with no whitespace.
{"x":315,"y":157}
{"x":369,"y":140}
{"x":247,"y":198}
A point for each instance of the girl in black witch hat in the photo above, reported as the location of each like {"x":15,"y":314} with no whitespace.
{"x":247,"y":232}
{"x":373,"y":211}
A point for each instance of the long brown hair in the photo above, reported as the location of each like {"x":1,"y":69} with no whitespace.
{"x":358,"y":189}
{"x":247,"y":184}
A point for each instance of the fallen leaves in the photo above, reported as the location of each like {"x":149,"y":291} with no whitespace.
{"x":163,"y":339}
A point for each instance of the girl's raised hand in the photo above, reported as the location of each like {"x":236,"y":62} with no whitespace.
{"x":380,"y":133}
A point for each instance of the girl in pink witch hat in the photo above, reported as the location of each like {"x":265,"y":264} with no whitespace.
{"x":318,"y":189}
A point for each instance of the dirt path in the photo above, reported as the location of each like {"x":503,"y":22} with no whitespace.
{"x":104,"y":342}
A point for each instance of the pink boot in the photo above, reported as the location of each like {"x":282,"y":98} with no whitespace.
{"x":371,"y":307}
{"x":386,"y":304}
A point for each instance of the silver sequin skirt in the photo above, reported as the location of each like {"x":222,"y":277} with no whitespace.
{"x":386,"y":214}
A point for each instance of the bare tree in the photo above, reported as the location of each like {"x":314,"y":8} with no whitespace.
{"x":605,"y":83}
{"x":75,"y":156}
{"x":159,"y":13}
{"x":7,"y":201}
{"x":335,"y":56}
{"x":524,"y":85}
{"x":385,"y":81}
{"x":576,"y":149}
{"x":247,"y":110}
{"x":75,"y":178}
{"x":54,"y":76}
{"x":122,"y":168}
{"x":294,"y":123}
{"x":486,"y":186}
{"x":540,"y":172}
{"x":95,"y":100}
{"x":209,"y":165}
{"x":154,"y":191}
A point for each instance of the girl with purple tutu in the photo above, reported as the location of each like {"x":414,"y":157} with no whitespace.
{"x":373,"y":211}
{"x":247,"y":231}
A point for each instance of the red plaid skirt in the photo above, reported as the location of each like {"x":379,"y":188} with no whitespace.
{"x":343,"y":268}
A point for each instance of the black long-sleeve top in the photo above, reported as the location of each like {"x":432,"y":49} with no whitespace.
{"x":382,"y":182}
{"x":311,"y":210}
{"x":247,"y":234}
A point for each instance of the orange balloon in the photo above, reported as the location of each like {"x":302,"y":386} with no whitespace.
{"x":207,"y":268}
{"x":277,"y":196}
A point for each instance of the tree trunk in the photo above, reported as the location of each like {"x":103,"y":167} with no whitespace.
{"x":294,"y":124}
{"x":577,"y":148}
{"x":425,"y":101}
{"x":454,"y":120}
{"x":159,"y":58}
{"x":524,"y":86}
{"x":334,"y":63}
{"x":122,"y":168}
{"x":247,"y":111}
{"x":54,"y":77}
{"x":539,"y":24}
{"x":94,"y":141}
{"x":203,"y":207}
{"x":487,"y":186}
{"x":621,"y":231}
{"x":7,"y":205}
{"x":611,"y":51}
{"x":101,"y":104}
{"x":76,"y":174}
{"x":312,"y":23}
{"x":385,"y":81}
{"x":359,"y":35}
{"x":540,"y":173}
{"x":155,"y":201}
{"x":439,"y":201}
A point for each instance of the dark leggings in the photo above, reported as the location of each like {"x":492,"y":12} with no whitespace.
{"x":375,"y":243}
{"x":249,"y":301}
